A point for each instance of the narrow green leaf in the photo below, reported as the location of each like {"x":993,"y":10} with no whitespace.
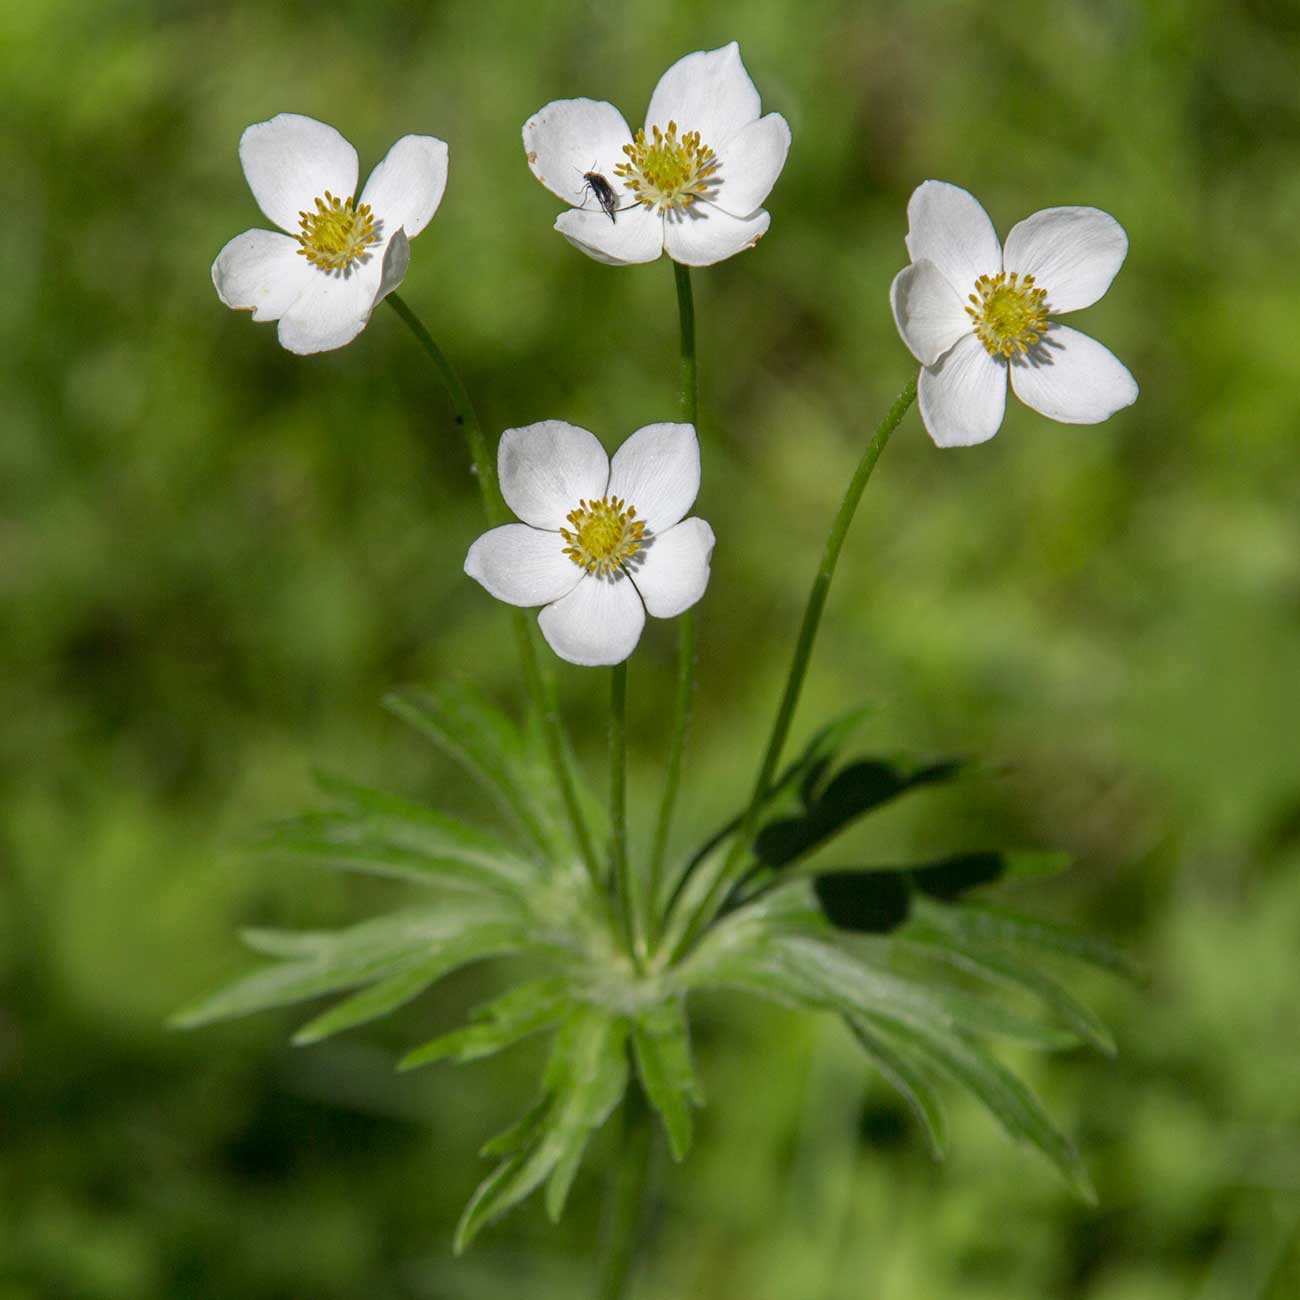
{"x":999,"y":925}
{"x":519,"y":1135}
{"x":486,"y":1203}
{"x":403,"y":931}
{"x":560,"y":1182}
{"x":331,"y":961}
{"x":855,"y":790}
{"x":850,"y":985}
{"x":585,"y":1080}
{"x":471,"y":945}
{"x":378,"y":1000}
{"x":287,"y":983}
{"x":999,"y":967}
{"x":524,"y":1010}
{"x":661,"y":1039}
{"x":373,"y":830}
{"x":1007,"y":1097}
{"x":340,"y":844}
{"x":487,"y":744}
{"x":909,"y":1081}
{"x":802,"y":772}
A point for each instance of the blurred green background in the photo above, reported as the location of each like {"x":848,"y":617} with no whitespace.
{"x":215,"y":557}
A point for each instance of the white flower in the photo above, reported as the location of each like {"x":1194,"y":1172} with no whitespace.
{"x":1057,"y":261}
{"x":600,"y":544}
{"x":692,"y":182}
{"x":322,"y":280}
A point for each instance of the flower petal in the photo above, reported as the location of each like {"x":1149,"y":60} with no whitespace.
{"x":674,"y":572}
{"x":927,"y":311}
{"x":635,"y":235}
{"x":657,"y":470}
{"x":709,"y":92}
{"x":1072,"y":378}
{"x":406,"y":188}
{"x":598,"y":622}
{"x":703,"y":234}
{"x":332,"y":310}
{"x":260,"y":271}
{"x":546,"y":468}
{"x":291,"y":161}
{"x":572,"y":136}
{"x":522,"y":565}
{"x":1073,"y":253}
{"x":750,"y":164}
{"x":397,"y":257}
{"x":963,"y":397}
{"x":947,"y":226}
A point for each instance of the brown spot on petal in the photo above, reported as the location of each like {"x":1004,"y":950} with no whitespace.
{"x":531,"y":155}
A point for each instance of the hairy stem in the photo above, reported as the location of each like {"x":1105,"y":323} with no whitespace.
{"x":689,"y":402}
{"x":798,"y":665}
{"x":540,"y":690}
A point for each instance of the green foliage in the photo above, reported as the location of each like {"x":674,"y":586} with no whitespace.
{"x":856,"y":789}
{"x":661,"y":1037}
{"x":584,"y":1082}
{"x":822,"y":945}
{"x":523,"y":1010}
{"x":507,"y":761}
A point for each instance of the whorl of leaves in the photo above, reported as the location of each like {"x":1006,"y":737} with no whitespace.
{"x":910,"y":957}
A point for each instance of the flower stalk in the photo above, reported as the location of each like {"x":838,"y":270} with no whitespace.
{"x":619,"y":870}
{"x":798,"y":667}
{"x":540,"y":691}
{"x":683,"y":694}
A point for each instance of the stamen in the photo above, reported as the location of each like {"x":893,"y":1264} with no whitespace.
{"x":335,"y":236}
{"x":605,"y":534}
{"x":668,"y":171}
{"x":1010,"y":313}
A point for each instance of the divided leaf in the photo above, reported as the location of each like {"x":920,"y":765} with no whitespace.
{"x":801,"y":774}
{"x":522,"y":1011}
{"x":1000,"y":925}
{"x":897,"y":1020}
{"x":996,"y":966}
{"x":839,"y":980}
{"x":488,"y":745}
{"x":318,"y":962}
{"x":662,"y":1044}
{"x":585,"y":1080}
{"x":1007,"y":1097}
{"x":404,"y":841}
{"x":854,"y":791}
{"x":908,"y":1080}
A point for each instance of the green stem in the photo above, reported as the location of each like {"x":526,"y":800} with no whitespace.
{"x":689,"y":389}
{"x":540,"y":691}
{"x":798,"y":664}
{"x":689,"y":400}
{"x":484,"y":464}
{"x":618,"y":863}
{"x":676,"y":750}
{"x":623,"y":1220}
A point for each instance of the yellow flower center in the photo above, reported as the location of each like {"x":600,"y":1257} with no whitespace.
{"x":668,"y":171}
{"x":336,"y":235}
{"x":605,"y":534}
{"x":1010,"y":313}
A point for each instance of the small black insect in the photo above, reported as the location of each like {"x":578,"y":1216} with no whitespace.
{"x":603,"y":191}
